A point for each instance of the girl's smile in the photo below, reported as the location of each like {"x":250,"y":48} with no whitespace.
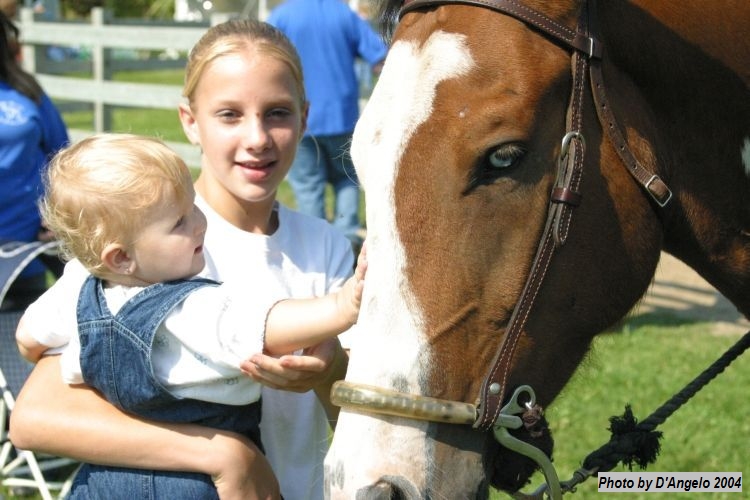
{"x":257,"y":172}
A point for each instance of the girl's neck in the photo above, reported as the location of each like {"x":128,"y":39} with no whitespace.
{"x":256,"y":217}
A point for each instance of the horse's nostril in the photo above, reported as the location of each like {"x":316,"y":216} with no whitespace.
{"x":379,"y":491}
{"x":390,"y":488}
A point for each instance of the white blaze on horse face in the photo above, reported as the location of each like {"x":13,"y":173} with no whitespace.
{"x":746,"y":156}
{"x":389,"y":346}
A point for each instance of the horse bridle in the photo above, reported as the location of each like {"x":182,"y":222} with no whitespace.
{"x":490,"y":413}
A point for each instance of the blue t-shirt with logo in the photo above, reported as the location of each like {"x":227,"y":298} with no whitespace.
{"x":30,"y":134}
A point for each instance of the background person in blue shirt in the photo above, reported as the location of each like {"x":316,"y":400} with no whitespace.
{"x":31,"y":131}
{"x":329,"y":37}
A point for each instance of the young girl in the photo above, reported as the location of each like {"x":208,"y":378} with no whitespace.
{"x":153,"y":341}
{"x":246,"y":109}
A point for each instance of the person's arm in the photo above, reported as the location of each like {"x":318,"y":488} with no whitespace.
{"x":294,"y":324}
{"x":319,"y":366}
{"x":370,"y":45}
{"x":75,"y":421}
{"x":50,"y":321}
{"x":54,"y":131}
{"x":336,"y":371}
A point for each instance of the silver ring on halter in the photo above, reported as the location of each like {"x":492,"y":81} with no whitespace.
{"x":509,"y":419}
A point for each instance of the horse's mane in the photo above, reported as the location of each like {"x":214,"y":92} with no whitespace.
{"x":387,"y":15}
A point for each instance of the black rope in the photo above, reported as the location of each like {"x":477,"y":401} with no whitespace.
{"x":638,"y":443}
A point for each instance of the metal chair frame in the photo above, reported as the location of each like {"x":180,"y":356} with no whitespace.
{"x":22,"y":468}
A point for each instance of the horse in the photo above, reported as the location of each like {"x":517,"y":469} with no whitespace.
{"x":525,"y":163}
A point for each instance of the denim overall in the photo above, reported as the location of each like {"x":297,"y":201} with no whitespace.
{"x":116,"y":360}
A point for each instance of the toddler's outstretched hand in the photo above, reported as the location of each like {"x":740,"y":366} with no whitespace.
{"x":293,"y":324}
{"x":350,"y":296}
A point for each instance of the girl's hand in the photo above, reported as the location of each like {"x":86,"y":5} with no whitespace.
{"x":317,"y":369}
{"x":294,"y":373}
{"x":243,"y":471}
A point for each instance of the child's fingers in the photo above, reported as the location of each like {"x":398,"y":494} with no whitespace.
{"x":361,"y":268}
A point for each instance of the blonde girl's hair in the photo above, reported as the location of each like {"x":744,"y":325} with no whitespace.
{"x":233,"y":37}
{"x":101,"y":189}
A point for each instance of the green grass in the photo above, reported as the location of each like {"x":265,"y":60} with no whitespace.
{"x":161,"y":77}
{"x":644,"y":363}
{"x":162,"y":123}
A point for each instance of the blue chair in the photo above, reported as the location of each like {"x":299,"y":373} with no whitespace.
{"x":23,"y":469}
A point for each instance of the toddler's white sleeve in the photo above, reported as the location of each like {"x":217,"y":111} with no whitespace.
{"x":51,"y":319}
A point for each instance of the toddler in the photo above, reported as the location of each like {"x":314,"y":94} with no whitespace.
{"x":154,"y":339}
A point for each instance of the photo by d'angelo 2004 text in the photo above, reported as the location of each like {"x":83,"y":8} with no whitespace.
{"x":666,"y":482}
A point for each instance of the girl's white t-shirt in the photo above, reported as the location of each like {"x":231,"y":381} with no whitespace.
{"x":308,"y":257}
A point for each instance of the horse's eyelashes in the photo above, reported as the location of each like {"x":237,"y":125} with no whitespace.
{"x":497,"y":162}
{"x":504,"y":157}
{"x":500,"y":160}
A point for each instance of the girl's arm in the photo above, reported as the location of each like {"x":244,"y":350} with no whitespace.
{"x":75,"y":421}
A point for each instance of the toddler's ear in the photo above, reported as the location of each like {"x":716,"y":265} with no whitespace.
{"x":116,"y":259}
{"x":189,"y":125}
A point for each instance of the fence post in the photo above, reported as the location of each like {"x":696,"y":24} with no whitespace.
{"x":28,"y":52}
{"x":101,"y":66}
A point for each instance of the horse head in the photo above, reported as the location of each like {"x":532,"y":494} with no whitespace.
{"x":481,"y":125}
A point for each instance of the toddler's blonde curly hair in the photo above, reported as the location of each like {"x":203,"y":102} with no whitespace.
{"x":100,"y":190}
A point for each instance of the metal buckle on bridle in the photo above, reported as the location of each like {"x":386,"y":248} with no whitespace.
{"x":566,"y":142}
{"x":660,"y":200}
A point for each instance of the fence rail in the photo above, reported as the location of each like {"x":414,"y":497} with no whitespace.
{"x":103,"y":35}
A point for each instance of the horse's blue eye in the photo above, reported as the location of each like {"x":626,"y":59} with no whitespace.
{"x":496,"y":163}
{"x":499,"y":160}
{"x":505,"y":156}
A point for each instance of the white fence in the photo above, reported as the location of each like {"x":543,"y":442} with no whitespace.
{"x":102,"y":37}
